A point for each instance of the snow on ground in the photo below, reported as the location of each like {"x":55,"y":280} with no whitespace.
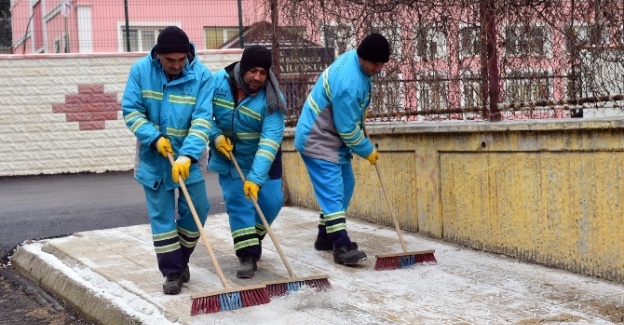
{"x":464,"y":287}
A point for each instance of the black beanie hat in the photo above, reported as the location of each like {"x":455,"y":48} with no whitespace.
{"x":172,"y":39}
{"x":255,"y":56}
{"x":374,"y":48}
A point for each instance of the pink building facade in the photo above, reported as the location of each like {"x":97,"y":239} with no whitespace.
{"x":436,"y":66}
{"x":87,"y":26}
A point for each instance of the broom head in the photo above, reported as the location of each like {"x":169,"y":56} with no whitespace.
{"x":228,"y":299}
{"x":282,"y":287}
{"x":395,"y":261}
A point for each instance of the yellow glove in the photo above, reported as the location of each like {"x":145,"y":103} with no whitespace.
{"x":251,"y":190}
{"x":181,"y":167}
{"x":163,"y":145}
{"x":224,"y":145}
{"x":373,"y":157}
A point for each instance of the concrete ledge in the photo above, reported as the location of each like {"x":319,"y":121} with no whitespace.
{"x":385,"y":129}
{"x":53,"y":274}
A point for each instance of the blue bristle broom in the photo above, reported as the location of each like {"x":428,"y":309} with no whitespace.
{"x":294,"y":283}
{"x":228,"y":298}
{"x":405,"y":259}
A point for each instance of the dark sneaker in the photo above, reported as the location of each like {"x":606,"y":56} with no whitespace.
{"x":348,"y":255}
{"x":324,"y":244}
{"x":173,"y":284}
{"x":186,"y":275}
{"x":247,"y":267}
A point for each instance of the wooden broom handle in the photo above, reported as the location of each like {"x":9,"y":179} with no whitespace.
{"x":394,"y":218}
{"x":200,"y":227}
{"x":264,"y":221}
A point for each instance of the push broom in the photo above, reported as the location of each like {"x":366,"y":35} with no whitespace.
{"x":228,"y":298}
{"x":278,"y":288}
{"x":392,"y":261}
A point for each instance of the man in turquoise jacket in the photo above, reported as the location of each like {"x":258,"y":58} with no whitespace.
{"x":329,"y":130}
{"x":167,"y":104}
{"x":248,"y":120}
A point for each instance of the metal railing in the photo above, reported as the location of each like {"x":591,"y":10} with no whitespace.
{"x":452,"y":60}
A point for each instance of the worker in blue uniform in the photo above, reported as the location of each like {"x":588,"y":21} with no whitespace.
{"x":249,"y":111}
{"x":167,"y":104}
{"x":328,"y":133}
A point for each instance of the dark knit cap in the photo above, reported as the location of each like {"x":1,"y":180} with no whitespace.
{"x":255,"y":56}
{"x":172,"y":39}
{"x":374,"y":48}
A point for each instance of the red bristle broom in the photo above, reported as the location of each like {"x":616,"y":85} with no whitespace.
{"x":228,"y":298}
{"x":392,"y":261}
{"x":294,"y":283}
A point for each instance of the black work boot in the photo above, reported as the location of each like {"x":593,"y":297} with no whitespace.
{"x":247,"y":266}
{"x":186,"y":275}
{"x":348,"y":255}
{"x":324,"y":244}
{"x":173,"y":284}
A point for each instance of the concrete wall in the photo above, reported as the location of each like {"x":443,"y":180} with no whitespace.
{"x":61,"y":113}
{"x":548,"y":192}
{"x":544,"y":191}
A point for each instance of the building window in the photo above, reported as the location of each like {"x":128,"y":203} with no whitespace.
{"x":340,"y":37}
{"x":470,"y":41}
{"x":388,"y":94}
{"x":430,"y":42}
{"x":526,"y":40}
{"x":218,"y":35}
{"x":471,"y":86}
{"x":141,"y":38}
{"x":578,"y":37}
{"x":526,"y":86}
{"x":574,"y":85}
{"x":433,"y":92}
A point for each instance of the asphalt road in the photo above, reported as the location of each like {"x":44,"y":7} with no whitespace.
{"x":58,"y":205}
{"x":36,"y":207}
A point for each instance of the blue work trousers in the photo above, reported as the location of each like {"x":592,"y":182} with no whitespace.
{"x":333,"y":186}
{"x":175,"y":240}
{"x":245,"y":224}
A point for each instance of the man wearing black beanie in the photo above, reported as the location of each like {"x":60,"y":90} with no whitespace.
{"x":249,"y":111}
{"x":330,"y":130}
{"x":172,"y":49}
{"x":167,"y":105}
{"x":256,"y":56}
{"x":374,"y":48}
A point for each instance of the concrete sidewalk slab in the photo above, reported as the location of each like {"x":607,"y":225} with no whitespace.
{"x":111,"y":276}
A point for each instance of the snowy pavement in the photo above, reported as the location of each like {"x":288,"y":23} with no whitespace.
{"x":111,"y":275}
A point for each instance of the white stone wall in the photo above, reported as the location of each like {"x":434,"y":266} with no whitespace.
{"x":47,"y":127}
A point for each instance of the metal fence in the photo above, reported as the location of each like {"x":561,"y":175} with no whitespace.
{"x":452,"y":59}
{"x":482,"y":59}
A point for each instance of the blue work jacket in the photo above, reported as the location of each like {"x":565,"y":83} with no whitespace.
{"x":255,"y":133}
{"x":179,"y":109}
